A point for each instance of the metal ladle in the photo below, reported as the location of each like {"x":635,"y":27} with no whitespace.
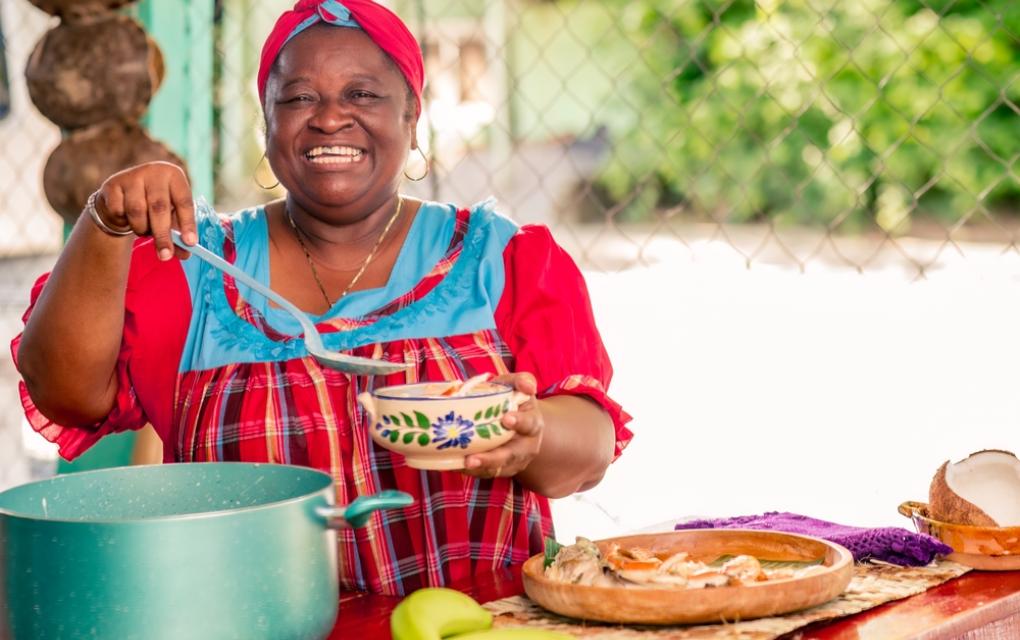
{"x":313,"y":341}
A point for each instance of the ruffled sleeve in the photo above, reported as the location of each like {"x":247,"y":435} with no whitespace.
{"x":545,"y":316}
{"x":153,"y":289}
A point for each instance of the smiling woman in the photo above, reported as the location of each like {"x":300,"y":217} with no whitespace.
{"x":122,"y":333}
{"x":339,"y":127}
{"x":339,"y":119}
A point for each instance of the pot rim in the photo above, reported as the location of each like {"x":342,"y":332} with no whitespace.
{"x":217,"y":513}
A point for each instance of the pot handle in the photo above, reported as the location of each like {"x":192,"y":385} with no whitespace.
{"x":357,"y":513}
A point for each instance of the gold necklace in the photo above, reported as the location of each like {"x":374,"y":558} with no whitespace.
{"x":364,"y":265}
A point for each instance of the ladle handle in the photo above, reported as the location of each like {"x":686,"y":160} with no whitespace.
{"x":239,"y":275}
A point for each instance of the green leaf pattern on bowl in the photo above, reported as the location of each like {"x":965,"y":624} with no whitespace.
{"x":451,"y":430}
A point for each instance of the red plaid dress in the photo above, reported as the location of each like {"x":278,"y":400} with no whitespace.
{"x":244,"y":389}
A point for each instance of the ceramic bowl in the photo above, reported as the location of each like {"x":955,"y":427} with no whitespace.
{"x":987,"y":548}
{"x":436,"y":432}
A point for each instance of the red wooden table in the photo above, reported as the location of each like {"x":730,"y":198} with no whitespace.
{"x":977,"y":605}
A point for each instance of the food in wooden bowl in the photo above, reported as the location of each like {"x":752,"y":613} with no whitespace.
{"x":974,"y":507}
{"x":685,"y":577}
{"x":637,"y":567}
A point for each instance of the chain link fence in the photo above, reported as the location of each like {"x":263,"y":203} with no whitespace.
{"x":29,"y":230}
{"x":27,"y":224}
{"x":861,"y":136}
{"x":623,"y":123}
{"x":795,"y":131}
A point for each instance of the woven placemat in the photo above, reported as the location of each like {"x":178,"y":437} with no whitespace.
{"x":871,"y":586}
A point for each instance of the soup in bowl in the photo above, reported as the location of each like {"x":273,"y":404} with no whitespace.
{"x":436,"y":431}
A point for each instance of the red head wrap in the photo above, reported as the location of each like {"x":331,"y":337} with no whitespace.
{"x":379,"y":23}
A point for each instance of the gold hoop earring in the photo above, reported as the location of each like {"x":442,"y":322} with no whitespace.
{"x":255,"y":176}
{"x":424,"y":175}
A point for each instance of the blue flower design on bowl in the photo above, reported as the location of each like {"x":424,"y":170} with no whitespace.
{"x":453,"y":431}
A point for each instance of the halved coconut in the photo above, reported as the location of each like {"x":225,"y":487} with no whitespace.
{"x":981,"y":490}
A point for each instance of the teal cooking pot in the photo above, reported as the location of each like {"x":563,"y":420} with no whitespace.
{"x":199,"y":550}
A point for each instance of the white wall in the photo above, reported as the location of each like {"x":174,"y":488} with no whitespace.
{"x":832,"y":394}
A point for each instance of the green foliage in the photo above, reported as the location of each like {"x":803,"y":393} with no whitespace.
{"x":820,"y":111}
{"x":551,"y":549}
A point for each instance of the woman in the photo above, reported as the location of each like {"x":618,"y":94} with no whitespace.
{"x":123,"y":332}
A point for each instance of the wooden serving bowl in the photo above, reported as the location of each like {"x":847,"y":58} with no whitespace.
{"x":985,"y":548}
{"x":674,"y":605}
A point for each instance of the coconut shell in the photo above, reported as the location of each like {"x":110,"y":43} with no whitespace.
{"x":78,"y":10}
{"x":157,"y":67}
{"x":84,"y":73}
{"x":946,"y":506}
{"x":87,"y":157}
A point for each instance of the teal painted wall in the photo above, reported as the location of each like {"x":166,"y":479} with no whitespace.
{"x":180,"y":115}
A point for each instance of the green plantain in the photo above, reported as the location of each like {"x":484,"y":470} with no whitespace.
{"x":435,"y":613}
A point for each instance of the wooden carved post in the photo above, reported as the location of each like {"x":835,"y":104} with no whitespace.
{"x":93,"y":75}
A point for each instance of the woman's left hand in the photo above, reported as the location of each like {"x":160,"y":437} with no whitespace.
{"x":514,"y":456}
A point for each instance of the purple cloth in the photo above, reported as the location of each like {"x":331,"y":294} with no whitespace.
{"x":889,"y":544}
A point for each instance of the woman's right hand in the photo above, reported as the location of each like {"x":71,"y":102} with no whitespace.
{"x":150,"y":198}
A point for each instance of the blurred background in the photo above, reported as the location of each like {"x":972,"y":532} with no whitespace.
{"x":798,"y":220}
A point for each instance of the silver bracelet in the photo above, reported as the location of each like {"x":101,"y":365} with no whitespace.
{"x":90,"y":208}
